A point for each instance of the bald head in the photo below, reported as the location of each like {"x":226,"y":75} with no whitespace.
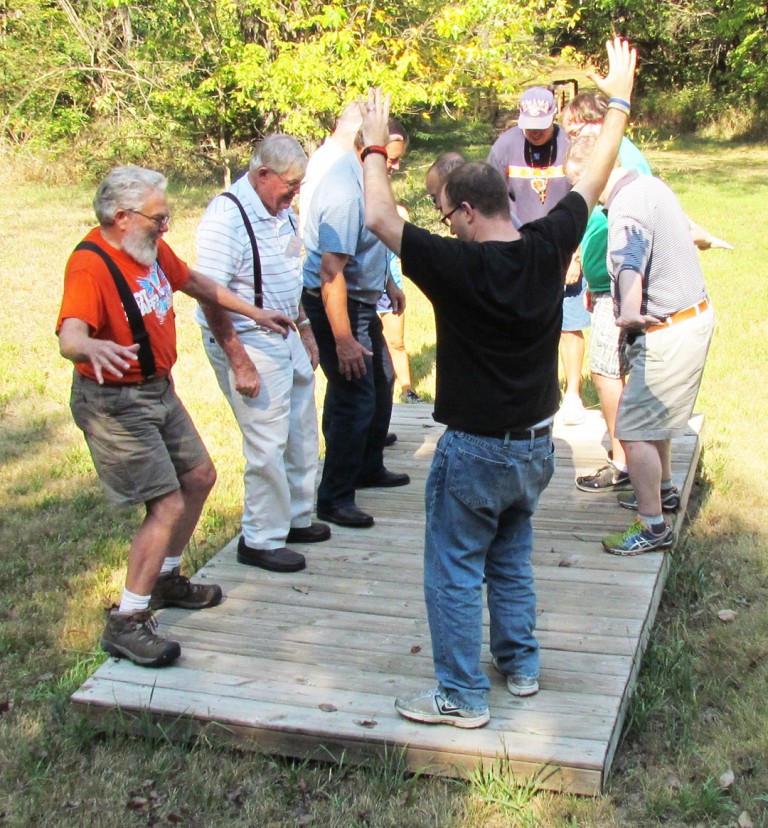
{"x":438,"y":174}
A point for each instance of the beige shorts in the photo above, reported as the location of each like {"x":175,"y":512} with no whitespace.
{"x":665,"y":373}
{"x":141,"y":437}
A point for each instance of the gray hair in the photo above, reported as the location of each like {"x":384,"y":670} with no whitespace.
{"x":280,"y":153}
{"x":125,"y":188}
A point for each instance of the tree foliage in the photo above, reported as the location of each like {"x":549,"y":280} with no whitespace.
{"x":215,"y":72}
{"x":718,"y":44}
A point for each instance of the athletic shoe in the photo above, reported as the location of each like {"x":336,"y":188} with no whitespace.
{"x":410,"y":396}
{"x":670,"y":500}
{"x":172,"y":589}
{"x":572,"y":410}
{"x":132,"y":635}
{"x":605,"y":479}
{"x":639,"y":539}
{"x":431,"y":707}
{"x":518,"y":684}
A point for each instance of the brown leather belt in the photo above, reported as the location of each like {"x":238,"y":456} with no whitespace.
{"x":681,"y":316}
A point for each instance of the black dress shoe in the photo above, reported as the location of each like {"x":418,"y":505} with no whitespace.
{"x":314,"y":533}
{"x":390,"y":439}
{"x":384,"y":479}
{"x":347,"y":516}
{"x":275,"y":560}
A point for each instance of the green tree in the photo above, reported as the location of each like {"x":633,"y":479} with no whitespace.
{"x":213,"y":73}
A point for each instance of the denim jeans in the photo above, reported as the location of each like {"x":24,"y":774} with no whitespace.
{"x":356,"y":412}
{"x":480,"y":496}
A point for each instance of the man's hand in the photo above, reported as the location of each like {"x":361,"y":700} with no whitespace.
{"x":351,"y":357}
{"x":375,"y":118}
{"x":573,"y":274}
{"x":274,"y":320}
{"x":76,"y":343}
{"x":247,"y":379}
{"x":396,"y":297}
{"x":620,"y":79}
{"x":105,"y":355}
{"x":310,"y":346}
{"x":636,"y":321}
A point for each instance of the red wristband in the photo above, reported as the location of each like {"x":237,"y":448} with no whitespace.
{"x":375,"y":150}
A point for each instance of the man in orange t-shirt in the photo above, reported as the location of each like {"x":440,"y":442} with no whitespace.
{"x":144,"y":445}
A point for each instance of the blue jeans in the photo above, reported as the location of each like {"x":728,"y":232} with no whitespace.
{"x":356,"y":412}
{"x":480,"y":496}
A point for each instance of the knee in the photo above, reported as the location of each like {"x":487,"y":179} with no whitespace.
{"x":199,"y":481}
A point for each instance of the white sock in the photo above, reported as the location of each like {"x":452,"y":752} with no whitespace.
{"x":666,"y":485}
{"x":169,"y":564}
{"x":622,"y":467}
{"x":131,"y":602}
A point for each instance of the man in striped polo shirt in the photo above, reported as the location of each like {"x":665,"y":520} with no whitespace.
{"x":661,"y":305}
{"x":268,"y":381}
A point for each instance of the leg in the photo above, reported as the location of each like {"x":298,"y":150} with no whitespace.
{"x":609,"y":390}
{"x":572,"y":352}
{"x":369,"y":332}
{"x":645,"y":469}
{"x":347,"y":413}
{"x":301,"y":453}
{"x":264,"y":423}
{"x":394,"y":334}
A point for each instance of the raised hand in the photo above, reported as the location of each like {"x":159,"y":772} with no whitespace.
{"x":375,"y":118}
{"x":620,"y":79}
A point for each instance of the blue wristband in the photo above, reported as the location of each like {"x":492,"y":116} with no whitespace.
{"x":620,"y":101}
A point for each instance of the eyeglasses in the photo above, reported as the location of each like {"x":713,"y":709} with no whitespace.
{"x":291,"y":185}
{"x":446,"y":219}
{"x":159,"y":221}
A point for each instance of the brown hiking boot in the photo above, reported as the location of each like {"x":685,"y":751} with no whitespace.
{"x":172,"y":589}
{"x":132,"y":635}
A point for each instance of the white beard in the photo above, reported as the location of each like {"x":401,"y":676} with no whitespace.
{"x":140,"y":246}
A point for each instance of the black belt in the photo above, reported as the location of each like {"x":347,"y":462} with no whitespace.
{"x":526,"y":434}
{"x":313,"y":292}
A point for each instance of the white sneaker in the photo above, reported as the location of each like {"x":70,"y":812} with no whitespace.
{"x":572,"y":411}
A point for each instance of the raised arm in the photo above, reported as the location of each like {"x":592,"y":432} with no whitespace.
{"x":616,"y":85}
{"x":381,"y":216}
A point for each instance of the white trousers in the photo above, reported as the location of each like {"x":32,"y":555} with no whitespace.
{"x":279,"y":428}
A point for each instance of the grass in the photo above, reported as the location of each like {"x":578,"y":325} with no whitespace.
{"x":699,"y":707}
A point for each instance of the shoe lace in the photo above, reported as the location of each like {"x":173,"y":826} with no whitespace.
{"x":145,"y":624}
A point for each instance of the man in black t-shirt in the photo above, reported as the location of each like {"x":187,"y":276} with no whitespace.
{"x":497,"y":295}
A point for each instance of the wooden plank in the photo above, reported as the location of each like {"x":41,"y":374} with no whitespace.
{"x":350,"y":631}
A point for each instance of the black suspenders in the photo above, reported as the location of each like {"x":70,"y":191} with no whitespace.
{"x":135,"y":320}
{"x":258,"y":296}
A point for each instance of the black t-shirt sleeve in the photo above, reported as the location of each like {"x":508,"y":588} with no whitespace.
{"x":429,"y":261}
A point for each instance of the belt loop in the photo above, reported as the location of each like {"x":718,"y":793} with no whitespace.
{"x":532,"y":437}
{"x":506,"y":440}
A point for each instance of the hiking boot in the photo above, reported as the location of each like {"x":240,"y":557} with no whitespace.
{"x":172,"y":589}
{"x":132,"y":635}
{"x":639,"y":538}
{"x":431,"y":707}
{"x":670,"y":500}
{"x":517,"y":683}
{"x":605,"y":479}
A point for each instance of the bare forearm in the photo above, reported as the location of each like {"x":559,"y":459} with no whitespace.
{"x":224,"y":332}
{"x":381,"y":216}
{"x":630,"y":292}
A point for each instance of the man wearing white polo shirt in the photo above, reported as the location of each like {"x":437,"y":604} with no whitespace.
{"x":247,"y":241}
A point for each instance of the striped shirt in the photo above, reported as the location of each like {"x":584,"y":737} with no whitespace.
{"x":224,"y":253}
{"x":649,"y":233}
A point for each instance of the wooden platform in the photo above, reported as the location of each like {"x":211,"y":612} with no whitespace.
{"x":308,"y":664}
